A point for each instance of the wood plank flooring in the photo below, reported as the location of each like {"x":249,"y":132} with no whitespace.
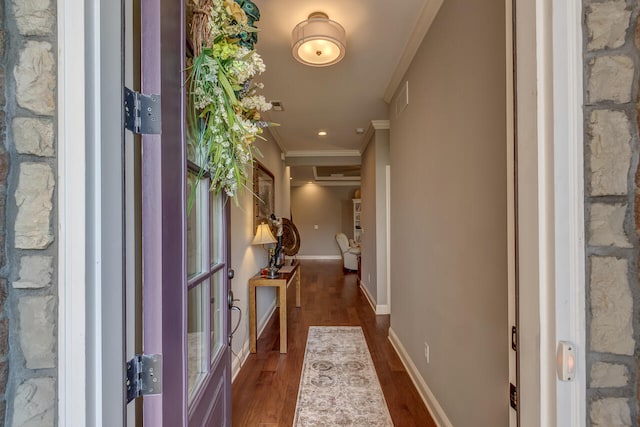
{"x":266,"y":389}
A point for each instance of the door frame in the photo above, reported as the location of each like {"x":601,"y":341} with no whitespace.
{"x":512,"y":255}
{"x":551,"y":188}
{"x":551,"y":208}
{"x":163,"y":213}
{"x":569,"y":212}
{"x":90,"y":213}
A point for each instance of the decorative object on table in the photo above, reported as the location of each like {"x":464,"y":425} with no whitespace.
{"x":265,"y":237}
{"x":263,"y":192}
{"x":339,"y":385}
{"x":277,"y":224}
{"x":350,"y":254}
{"x":224,"y":109}
{"x":290,"y":238}
{"x":318,"y":41}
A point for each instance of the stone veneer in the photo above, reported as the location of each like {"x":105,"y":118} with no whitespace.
{"x":612,"y":201}
{"x":28,"y":333}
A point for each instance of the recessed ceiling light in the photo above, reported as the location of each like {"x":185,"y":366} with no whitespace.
{"x":322,"y":133}
{"x":359,"y":131}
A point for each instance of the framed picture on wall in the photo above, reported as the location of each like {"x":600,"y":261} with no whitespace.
{"x":263,"y":194}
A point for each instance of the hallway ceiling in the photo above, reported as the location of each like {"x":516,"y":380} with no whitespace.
{"x":340,"y":98}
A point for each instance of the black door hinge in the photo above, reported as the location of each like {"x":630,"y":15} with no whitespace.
{"x":144,"y":375}
{"x":142,"y":113}
{"x":514,"y":338}
{"x":513,"y":396}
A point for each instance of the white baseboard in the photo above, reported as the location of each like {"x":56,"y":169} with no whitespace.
{"x":383,"y":309}
{"x":438,"y":414}
{"x":238,"y":362}
{"x":377,"y":309}
{"x":262,"y":323}
{"x":367,"y":295}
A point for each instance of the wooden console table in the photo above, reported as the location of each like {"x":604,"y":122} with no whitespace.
{"x":280,"y":283}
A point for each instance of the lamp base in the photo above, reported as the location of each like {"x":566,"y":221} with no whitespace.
{"x":272,"y":273}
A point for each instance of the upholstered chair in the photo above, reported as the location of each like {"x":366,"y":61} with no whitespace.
{"x":349,"y":254}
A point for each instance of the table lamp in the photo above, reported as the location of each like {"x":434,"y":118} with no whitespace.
{"x":265,"y":237}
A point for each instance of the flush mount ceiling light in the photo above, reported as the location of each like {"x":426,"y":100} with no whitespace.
{"x":322,"y":133}
{"x":318,"y":41}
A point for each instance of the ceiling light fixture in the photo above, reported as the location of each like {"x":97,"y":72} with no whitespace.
{"x":318,"y":41}
{"x":322,"y":133}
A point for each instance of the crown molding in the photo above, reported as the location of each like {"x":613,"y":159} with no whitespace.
{"x":276,"y":137}
{"x":322,"y":153}
{"x":371,"y":130}
{"x":380,"y":124}
{"x":427,"y":15}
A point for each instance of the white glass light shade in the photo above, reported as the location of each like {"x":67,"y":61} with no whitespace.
{"x":263,"y":236}
{"x":318,"y":41}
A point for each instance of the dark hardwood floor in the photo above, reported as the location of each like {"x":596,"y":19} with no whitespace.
{"x":266,"y":389}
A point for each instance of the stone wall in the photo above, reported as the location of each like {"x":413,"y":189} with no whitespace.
{"x":612,"y":201}
{"x":27,"y":196}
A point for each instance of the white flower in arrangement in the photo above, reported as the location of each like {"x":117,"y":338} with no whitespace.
{"x":256,"y":59}
{"x":224,"y":115}
{"x":256,"y":102}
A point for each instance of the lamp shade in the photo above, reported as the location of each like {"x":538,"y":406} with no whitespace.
{"x":318,"y":41}
{"x":263,"y":235}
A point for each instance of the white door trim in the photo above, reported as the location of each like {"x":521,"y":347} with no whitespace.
{"x":72,"y":340}
{"x":551,"y":208}
{"x":90,"y":387}
{"x":568,"y":135}
{"x":511,"y":200}
{"x":387,"y":193}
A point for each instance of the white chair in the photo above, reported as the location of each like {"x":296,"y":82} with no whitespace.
{"x":349,"y":254}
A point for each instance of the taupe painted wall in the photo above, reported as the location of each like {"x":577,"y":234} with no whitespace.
{"x":247,"y":259}
{"x":374,"y":217}
{"x":448,"y":213}
{"x":330,"y":208}
{"x":368,"y":219}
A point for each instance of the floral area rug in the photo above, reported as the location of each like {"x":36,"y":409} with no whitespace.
{"x":339,"y":385}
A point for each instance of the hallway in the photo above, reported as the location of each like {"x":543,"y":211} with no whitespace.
{"x":265,"y":390}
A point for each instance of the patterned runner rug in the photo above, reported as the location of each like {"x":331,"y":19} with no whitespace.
{"x":339,"y":385}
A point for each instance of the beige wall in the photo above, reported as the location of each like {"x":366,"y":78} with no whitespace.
{"x":368,"y":219}
{"x":328,"y":207}
{"x":246,"y":259}
{"x":448,"y":214}
{"x":375,"y":158}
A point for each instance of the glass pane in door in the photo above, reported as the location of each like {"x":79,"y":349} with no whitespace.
{"x":197,"y":325}
{"x":217,"y":313}
{"x":215,"y":225}
{"x":195,"y":226}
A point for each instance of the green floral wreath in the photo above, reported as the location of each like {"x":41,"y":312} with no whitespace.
{"x":224,"y":109}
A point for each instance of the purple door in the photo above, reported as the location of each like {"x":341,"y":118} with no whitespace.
{"x":185,"y":316}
